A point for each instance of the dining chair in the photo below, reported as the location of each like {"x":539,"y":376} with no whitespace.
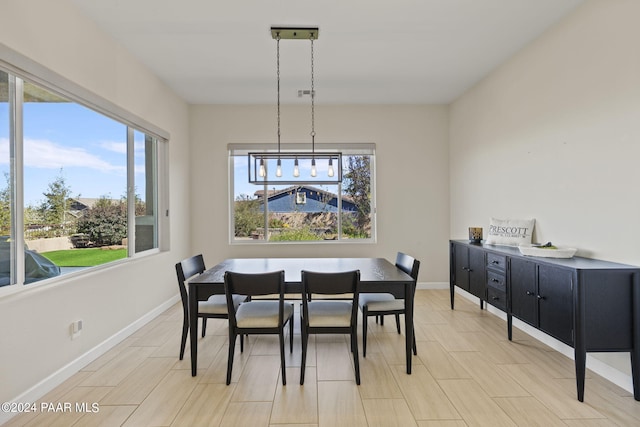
{"x":214,"y":307}
{"x":257,"y":316}
{"x":330,"y":316}
{"x":380,"y":304}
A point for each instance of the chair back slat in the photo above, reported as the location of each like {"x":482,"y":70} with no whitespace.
{"x":408,"y":264}
{"x":185,"y":270}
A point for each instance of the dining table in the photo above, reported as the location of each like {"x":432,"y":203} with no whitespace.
{"x":376,"y":275}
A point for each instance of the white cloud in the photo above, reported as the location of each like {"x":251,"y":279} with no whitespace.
{"x":114,"y":146}
{"x":45,"y":154}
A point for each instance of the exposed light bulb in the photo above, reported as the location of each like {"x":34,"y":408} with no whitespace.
{"x":279,"y":169}
{"x":331,"y":172}
{"x":314,"y":171}
{"x":296,"y":169}
{"x":263,"y":171}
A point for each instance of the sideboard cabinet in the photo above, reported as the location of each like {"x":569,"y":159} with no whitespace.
{"x":588,"y":304}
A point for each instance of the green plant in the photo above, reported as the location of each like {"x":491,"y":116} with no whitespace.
{"x":295,"y":234}
{"x":105,"y":223}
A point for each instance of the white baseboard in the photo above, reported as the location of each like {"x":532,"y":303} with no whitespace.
{"x":61,"y":375}
{"x":433,"y":285}
{"x":617,"y":377}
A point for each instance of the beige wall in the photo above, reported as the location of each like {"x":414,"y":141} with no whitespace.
{"x":34,"y":339}
{"x":554,"y":134}
{"x":411,"y":164}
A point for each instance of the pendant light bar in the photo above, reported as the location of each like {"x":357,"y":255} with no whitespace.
{"x":282,"y":167}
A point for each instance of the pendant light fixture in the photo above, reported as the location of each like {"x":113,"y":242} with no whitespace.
{"x":287,"y":165}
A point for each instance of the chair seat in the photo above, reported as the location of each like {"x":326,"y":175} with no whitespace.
{"x":261,"y":314}
{"x":329,"y":313}
{"x":384,"y":306}
{"x":217,"y":304}
{"x":368,"y":298}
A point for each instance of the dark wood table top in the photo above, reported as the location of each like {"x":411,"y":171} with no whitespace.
{"x":375,"y":270}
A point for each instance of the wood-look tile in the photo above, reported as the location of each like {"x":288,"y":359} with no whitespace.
{"x":377,"y":381}
{"x":339,"y":405}
{"x":493,"y":381}
{"x":442,"y":423}
{"x":246,"y":414}
{"x":424,"y":396}
{"x":165,"y":401}
{"x":216,"y":372}
{"x":205,"y":406}
{"x":137,"y":386}
{"x":528,"y":411}
{"x":334,"y":361}
{"x":107,"y":416}
{"x":295,"y":403}
{"x":119,"y":368}
{"x":550,"y":392}
{"x":258,"y":380}
{"x":388,"y":413}
{"x":473,"y":404}
{"x":52,"y":416}
{"x":439,"y":361}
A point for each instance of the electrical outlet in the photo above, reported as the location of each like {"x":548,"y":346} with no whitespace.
{"x":76,"y":329}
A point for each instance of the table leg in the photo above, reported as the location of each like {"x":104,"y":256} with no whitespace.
{"x":408,"y":320}
{"x":193,"y":327}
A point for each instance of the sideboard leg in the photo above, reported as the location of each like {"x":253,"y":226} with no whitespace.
{"x":509,"y":326}
{"x":581,"y":361}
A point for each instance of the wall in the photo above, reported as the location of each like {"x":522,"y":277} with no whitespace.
{"x":411,"y":165}
{"x":34,"y":340}
{"x":554,"y":134}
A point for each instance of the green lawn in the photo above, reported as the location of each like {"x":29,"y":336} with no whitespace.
{"x":84,"y":257}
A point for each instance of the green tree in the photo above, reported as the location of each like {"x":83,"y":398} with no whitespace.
{"x":53,"y":209}
{"x":105,"y":223}
{"x":5,"y":207}
{"x":247,"y":215}
{"x":357,"y":185}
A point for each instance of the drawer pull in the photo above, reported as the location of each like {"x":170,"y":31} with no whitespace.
{"x":495,"y":280}
{"x":541,"y":298}
{"x":529,"y":293}
{"x":495,"y":262}
{"x":495,"y":298}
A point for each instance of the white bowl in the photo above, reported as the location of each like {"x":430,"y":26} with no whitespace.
{"x":547,"y":252}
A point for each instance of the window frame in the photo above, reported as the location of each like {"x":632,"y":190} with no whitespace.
{"x":242,"y":149}
{"x":20,"y":69}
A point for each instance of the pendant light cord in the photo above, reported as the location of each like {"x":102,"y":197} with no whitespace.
{"x":278,"y":77}
{"x":313,"y":95}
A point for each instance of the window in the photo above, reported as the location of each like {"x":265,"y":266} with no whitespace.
{"x":304,"y":211}
{"x":79,"y":185}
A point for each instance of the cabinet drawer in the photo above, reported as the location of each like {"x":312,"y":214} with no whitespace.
{"x":496,"y":261}
{"x":497,"y":281}
{"x":497,"y":298}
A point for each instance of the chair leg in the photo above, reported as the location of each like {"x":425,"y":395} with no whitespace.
{"x":398,"y":322}
{"x":282,"y":366}
{"x":291,"y":335}
{"x":232,"y":347}
{"x":204,"y":326}
{"x":364,"y":331}
{"x":356,"y":361}
{"x":241,"y":343}
{"x":185,"y":330}
{"x":303,"y":362}
{"x":415,"y":349}
{"x":382,"y":320}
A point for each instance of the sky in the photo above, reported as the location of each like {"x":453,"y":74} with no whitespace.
{"x":84,"y":147}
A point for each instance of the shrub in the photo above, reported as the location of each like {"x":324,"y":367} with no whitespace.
{"x":105,"y":223}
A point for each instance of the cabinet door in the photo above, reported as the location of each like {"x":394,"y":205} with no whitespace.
{"x":461,"y":267}
{"x":524,"y":291}
{"x":477,"y":279}
{"x":555,"y":298}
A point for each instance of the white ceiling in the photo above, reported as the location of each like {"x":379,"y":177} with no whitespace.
{"x":367,"y":52}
